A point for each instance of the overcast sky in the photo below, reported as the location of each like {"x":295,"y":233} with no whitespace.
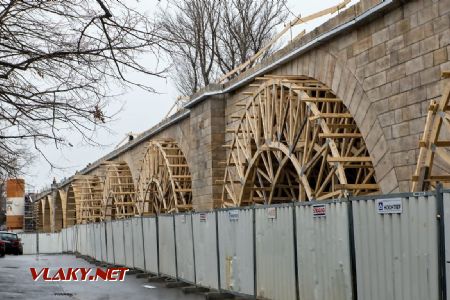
{"x":139,"y":111}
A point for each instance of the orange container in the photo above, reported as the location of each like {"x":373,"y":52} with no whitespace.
{"x":15,"y":188}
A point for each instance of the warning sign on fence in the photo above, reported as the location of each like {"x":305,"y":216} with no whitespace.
{"x":389,"y":206}
{"x":319,"y":210}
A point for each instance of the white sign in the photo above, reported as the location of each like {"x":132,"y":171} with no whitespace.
{"x":233,"y":215}
{"x":389,"y":206}
{"x":272,"y":213}
{"x":319,"y":210}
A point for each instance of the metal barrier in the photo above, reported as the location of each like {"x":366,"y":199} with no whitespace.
{"x":275,"y":256}
{"x":128,"y":242}
{"x":323,"y":247}
{"x":205,"y":249}
{"x":119,"y":244}
{"x":50,"y":243}
{"x":138,"y":244}
{"x":109,"y":243}
{"x":150,"y":236}
{"x":373,"y":247}
{"x":185,"y":247}
{"x":166,"y":242}
{"x":396,"y":251}
{"x":236,"y":250}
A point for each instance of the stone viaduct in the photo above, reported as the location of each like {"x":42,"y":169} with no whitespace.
{"x":381,"y":62}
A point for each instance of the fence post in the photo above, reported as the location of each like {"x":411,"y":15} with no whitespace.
{"x":175,"y":246}
{"x":217,"y":251}
{"x":441,"y":242}
{"x":193,"y":248}
{"x":351,"y":238}
{"x":255,"y":282}
{"x":143,"y":242}
{"x":157,"y":242}
{"x":294,"y":230}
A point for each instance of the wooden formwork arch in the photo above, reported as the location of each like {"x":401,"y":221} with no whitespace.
{"x":119,"y":195}
{"x":58,"y":210}
{"x":164,"y":183}
{"x":88,"y":193}
{"x":433,"y":163}
{"x":295,"y":141}
{"x":46,"y":212}
{"x":70,"y":207}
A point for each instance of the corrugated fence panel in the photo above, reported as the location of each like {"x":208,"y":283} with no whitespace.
{"x":150,"y":245}
{"x":397,"y":254}
{"x":236,"y":250}
{"x":447,"y":239}
{"x":64,"y":239}
{"x":91,"y":240}
{"x":98,"y":241}
{"x":185,"y":248}
{"x":323,"y":252}
{"x":29,"y":243}
{"x":50,"y":243}
{"x":109,"y":243}
{"x":275,"y":253}
{"x":71,"y":239}
{"x":119,"y":246}
{"x":138,"y":244}
{"x":205,"y":249}
{"x":78,"y":238}
{"x":128,"y":238}
{"x":166,"y":246}
{"x":104,"y":256}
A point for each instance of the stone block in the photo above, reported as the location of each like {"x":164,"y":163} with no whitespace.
{"x":374,"y":81}
{"x":362,"y":45}
{"x":415,"y":35}
{"x":396,"y":72}
{"x":429,"y":44}
{"x":387,"y":118}
{"x":380,"y":36}
{"x":417,"y":125}
{"x":428,"y":13}
{"x":389,"y":183}
{"x":430,"y":75}
{"x":379,"y":150}
{"x":399,"y":130}
{"x":395,"y":44}
{"x":414,"y":65}
{"x":440,"y":56}
{"x":377,"y":52}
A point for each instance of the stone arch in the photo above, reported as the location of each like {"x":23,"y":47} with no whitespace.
{"x":46,"y":212}
{"x":295,"y":141}
{"x":58,"y":209}
{"x":70,"y":214}
{"x":338,"y":74}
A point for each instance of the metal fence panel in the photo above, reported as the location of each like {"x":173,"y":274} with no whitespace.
{"x":103,"y":256}
{"x":50,"y":243}
{"x":138,"y":244}
{"x":83,"y":238}
{"x":397,"y":254}
{"x":119,"y":245}
{"x":78,"y":238}
{"x":150,"y":245}
{"x":205,"y":246}
{"x":69,"y":239}
{"x":98,"y":241}
{"x":166,"y":246}
{"x":91,"y":240}
{"x":446,"y":198}
{"x":275,"y":262}
{"x":323,"y":252}
{"x":128,"y":239}
{"x":236,"y":250}
{"x":109,"y":243}
{"x":63,"y":240}
{"x":185,"y":248}
{"x":29,"y":243}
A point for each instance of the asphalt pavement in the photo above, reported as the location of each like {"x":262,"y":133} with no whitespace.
{"x":16,"y":282}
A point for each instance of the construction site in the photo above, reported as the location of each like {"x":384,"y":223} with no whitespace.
{"x":318,"y":173}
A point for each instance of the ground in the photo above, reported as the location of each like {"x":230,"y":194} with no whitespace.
{"x":16,"y":282}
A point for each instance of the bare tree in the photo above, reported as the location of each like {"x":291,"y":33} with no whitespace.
{"x":57,"y":61}
{"x":208,"y":38}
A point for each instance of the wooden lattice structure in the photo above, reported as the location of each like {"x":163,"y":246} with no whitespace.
{"x":88,"y":193}
{"x":119,"y":195}
{"x":433,"y":163}
{"x":164,"y":183}
{"x":294,"y":141}
{"x":37,"y":215}
{"x":71,"y":207}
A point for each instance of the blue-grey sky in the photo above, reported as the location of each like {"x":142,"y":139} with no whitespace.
{"x":139,"y":110}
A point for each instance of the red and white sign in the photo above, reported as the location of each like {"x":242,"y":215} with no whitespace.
{"x":79,"y":274}
{"x":319,"y":210}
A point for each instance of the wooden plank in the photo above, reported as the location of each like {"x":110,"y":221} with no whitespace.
{"x":333,"y":135}
{"x":349,"y":159}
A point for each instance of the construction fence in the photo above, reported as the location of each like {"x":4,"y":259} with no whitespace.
{"x":374,"y":247}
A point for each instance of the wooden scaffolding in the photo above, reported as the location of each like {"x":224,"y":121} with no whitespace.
{"x":88,"y":193}
{"x":294,"y":140}
{"x":164,"y":183}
